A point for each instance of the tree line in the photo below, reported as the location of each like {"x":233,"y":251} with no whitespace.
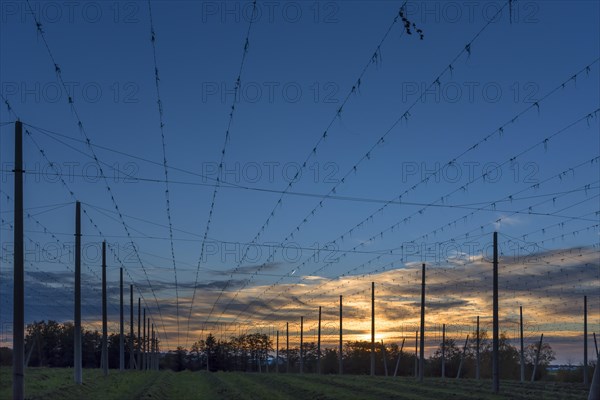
{"x":255,"y":353}
{"x":50,"y":344}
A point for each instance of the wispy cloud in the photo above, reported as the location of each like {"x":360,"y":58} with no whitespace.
{"x":550,"y":286}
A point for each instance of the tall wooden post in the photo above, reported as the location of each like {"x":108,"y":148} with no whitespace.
{"x":104,"y":314}
{"x":77,"y":362}
{"x":301,"y":345}
{"x":372,"y":328}
{"x":265,"y":360}
{"x":399,"y":356}
{"x":537,"y":358}
{"x":443,"y":351}
{"x":277,"y":354}
{"x":139,"y":337}
{"x":319,"y":344}
{"x":208,"y":360}
{"x":153,"y":346}
{"x":157,"y":351}
{"x":594,"y":393}
{"x":522,"y":352}
{"x":148,"y":347}
{"x":35,"y":343}
{"x":287,"y":347}
{"x":121,"y":320}
{"x":586,"y":380}
{"x":266,"y":356}
{"x":462,"y":357}
{"x":477,"y":358}
{"x":131,"y":331}
{"x":340,"y":356}
{"x":258,"y":361}
{"x":416,"y":354}
{"x":422,"y":344}
{"x":144,"y":356}
{"x":153,"y":350}
{"x":384,"y":355}
{"x":19,"y":272}
{"x":496,"y":339}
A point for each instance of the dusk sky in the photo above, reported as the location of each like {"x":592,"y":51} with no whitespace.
{"x":354,"y":152}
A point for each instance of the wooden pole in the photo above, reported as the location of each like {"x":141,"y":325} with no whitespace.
{"x":383,"y":353}
{"x":139,"y":337}
{"x":131,"y":330}
{"x":416,"y":354}
{"x":422,"y":338}
{"x":121,"y":327}
{"x":153,"y":349}
{"x":595,"y":387}
{"x":144,"y":356}
{"x":277,"y":355}
{"x":372,"y":328}
{"x":207,"y":359}
{"x":18,"y":273}
{"x":266,"y":355}
{"x":287,"y":347}
{"x":537,"y":358}
{"x":340,"y":355}
{"x":596,"y":345}
{"x":157,"y":351}
{"x":399,"y":356}
{"x":496,"y":338}
{"x":149,"y":347}
{"x":77,"y":363}
{"x":104,"y":314}
{"x":522,"y":355}
{"x":462,"y":358}
{"x":443,"y":351}
{"x":301,"y":345}
{"x":586,"y":380}
{"x":477,"y":358}
{"x":33,"y":344}
{"x":319,"y":344}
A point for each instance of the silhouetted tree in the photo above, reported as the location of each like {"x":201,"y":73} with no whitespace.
{"x":5,"y":356}
{"x":452,"y":360}
{"x":547,"y":355}
{"x":177,"y":360}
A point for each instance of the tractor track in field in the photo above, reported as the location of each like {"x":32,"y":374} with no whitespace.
{"x":260,"y":388}
{"x":386,"y":389}
{"x":50,"y":384}
{"x":372,"y":391}
{"x":159,"y":388}
{"x":344,"y":391}
{"x":412,"y":389}
{"x":296,"y":391}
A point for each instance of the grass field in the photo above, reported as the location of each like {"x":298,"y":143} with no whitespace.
{"x":44,"y":383}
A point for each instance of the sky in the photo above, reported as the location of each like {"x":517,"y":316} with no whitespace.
{"x":350,"y":152}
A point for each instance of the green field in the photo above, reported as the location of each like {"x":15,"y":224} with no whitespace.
{"x":44,"y":383}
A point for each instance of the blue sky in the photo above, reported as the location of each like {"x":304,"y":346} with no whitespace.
{"x":302,"y":60}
